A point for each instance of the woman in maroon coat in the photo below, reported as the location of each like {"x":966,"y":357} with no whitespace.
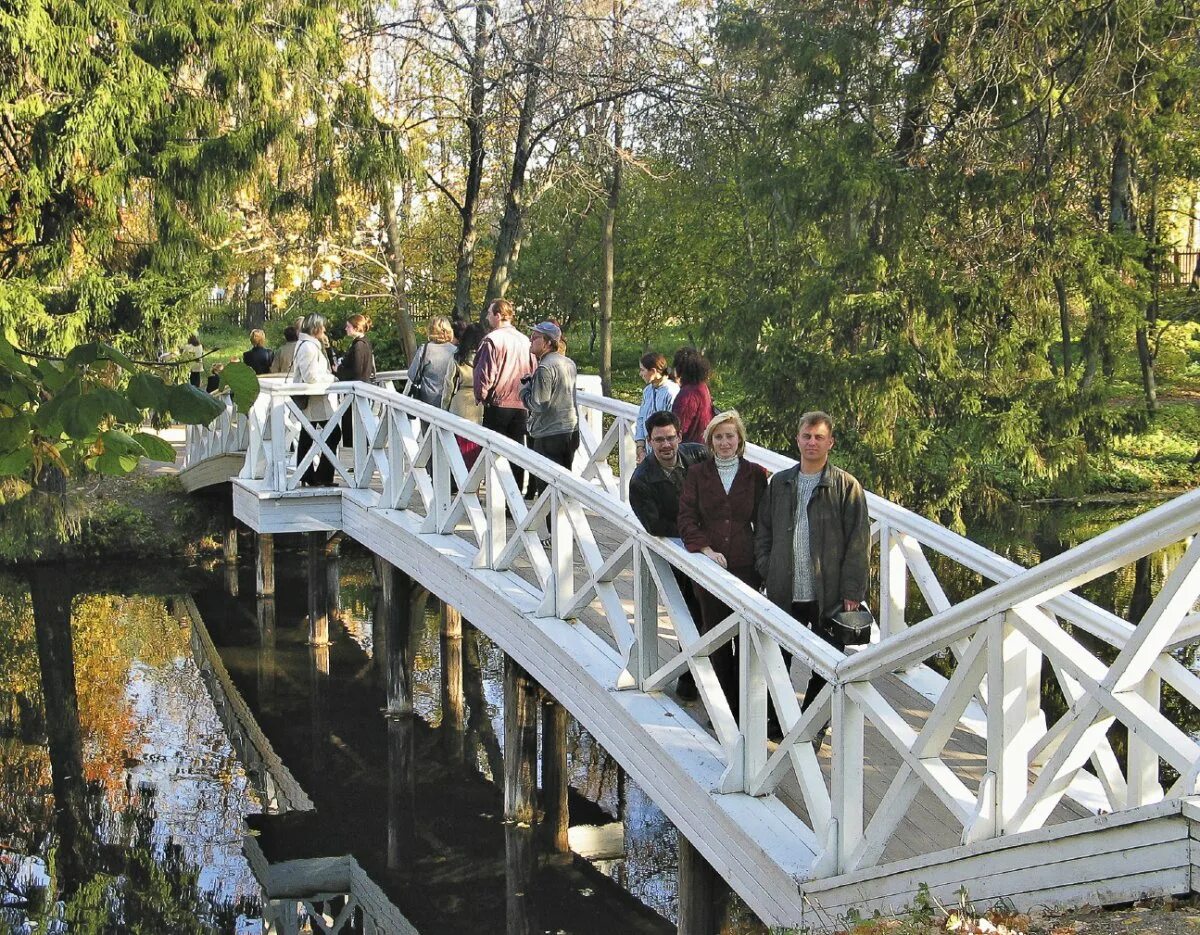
{"x":717,"y":508}
{"x":693,"y":403}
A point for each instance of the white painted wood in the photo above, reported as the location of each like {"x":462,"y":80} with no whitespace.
{"x":1028,"y":609}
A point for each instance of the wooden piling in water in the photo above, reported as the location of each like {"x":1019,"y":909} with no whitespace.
{"x":520,"y":742}
{"x":701,"y":892}
{"x":556,"y":817}
{"x":396,"y":608}
{"x":264,"y":565}
{"x":318,"y":597}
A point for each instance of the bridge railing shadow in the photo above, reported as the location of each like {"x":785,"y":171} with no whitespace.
{"x":601,"y":567}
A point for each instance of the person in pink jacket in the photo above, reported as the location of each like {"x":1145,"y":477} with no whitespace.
{"x":504,"y":358}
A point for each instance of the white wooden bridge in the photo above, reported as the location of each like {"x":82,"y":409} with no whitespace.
{"x":951,"y":781}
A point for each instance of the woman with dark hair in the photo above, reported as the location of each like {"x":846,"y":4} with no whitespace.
{"x":693,"y":404}
{"x":462,"y":402}
{"x":286,"y":351}
{"x":195,"y":353}
{"x":358,"y":364}
{"x":658,"y":396}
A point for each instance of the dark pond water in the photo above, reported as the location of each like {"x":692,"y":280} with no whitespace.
{"x":138,"y":752}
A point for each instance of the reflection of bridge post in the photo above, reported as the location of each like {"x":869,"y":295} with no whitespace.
{"x":554,"y":775}
{"x":701,"y":892}
{"x":318,"y":702}
{"x":264,"y":565}
{"x":318,"y":598}
{"x":520,"y":742}
{"x":453,"y":706}
{"x":520,"y":860}
{"x":401,"y":788}
{"x":394,"y":622}
{"x":266,"y":650}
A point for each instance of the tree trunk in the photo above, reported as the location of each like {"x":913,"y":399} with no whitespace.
{"x":608,"y":245}
{"x":469,"y":209}
{"x":514,"y":196}
{"x":395,"y":257}
{"x":256,"y":300}
{"x":1064,"y":324}
{"x":606,"y":280}
{"x":1150,"y":317}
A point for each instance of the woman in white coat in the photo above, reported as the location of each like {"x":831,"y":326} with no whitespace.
{"x":311,"y":366}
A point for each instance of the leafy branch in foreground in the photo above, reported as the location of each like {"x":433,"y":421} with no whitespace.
{"x":87,"y":408}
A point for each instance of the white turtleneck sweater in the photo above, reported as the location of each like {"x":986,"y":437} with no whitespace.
{"x":727,"y":469}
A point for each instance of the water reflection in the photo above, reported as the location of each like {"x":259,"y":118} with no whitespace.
{"x":102,"y":705}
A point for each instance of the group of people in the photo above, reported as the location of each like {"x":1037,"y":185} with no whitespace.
{"x":521,"y":386}
{"x":312,"y":362}
{"x":803,"y":533}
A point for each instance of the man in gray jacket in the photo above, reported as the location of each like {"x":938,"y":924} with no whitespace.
{"x":549,"y":396}
{"x":812,"y":539}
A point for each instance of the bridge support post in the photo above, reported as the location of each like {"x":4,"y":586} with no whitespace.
{"x":520,"y":743}
{"x":230,"y":545}
{"x":401,"y":789}
{"x":333,"y":575}
{"x":318,"y":597}
{"x":701,"y":892}
{"x":556,"y":818}
{"x":453,"y":707}
{"x":264,"y":565}
{"x":395,"y":619}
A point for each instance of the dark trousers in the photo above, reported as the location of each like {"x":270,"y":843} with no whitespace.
{"x":809,"y":614}
{"x":712,"y":612}
{"x":511,"y":424}
{"x":320,"y":472}
{"x":558,"y":448}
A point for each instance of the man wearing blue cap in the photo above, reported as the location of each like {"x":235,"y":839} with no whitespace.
{"x":549,"y":396}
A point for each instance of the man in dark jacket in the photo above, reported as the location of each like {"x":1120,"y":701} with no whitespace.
{"x":654,"y":496}
{"x":812,"y":540}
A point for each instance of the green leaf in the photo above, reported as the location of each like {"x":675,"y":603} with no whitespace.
{"x":114,"y":463}
{"x":243,"y":384}
{"x":81,"y":415}
{"x":82,"y":354}
{"x":15,"y":462}
{"x":117,"y":405}
{"x":108,"y":352}
{"x":192,"y":407}
{"x":147,"y":391}
{"x":55,"y":376}
{"x":14,"y":431}
{"x":156,"y":449}
{"x":11,"y":360}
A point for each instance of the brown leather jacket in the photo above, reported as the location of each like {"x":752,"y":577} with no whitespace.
{"x":839,"y":538}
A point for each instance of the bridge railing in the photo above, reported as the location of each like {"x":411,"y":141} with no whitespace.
{"x":995,"y":640}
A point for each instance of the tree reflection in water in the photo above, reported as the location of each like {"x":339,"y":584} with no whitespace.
{"x":120,"y":801}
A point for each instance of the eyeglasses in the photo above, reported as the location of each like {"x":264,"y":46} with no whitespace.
{"x":663,"y":439}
